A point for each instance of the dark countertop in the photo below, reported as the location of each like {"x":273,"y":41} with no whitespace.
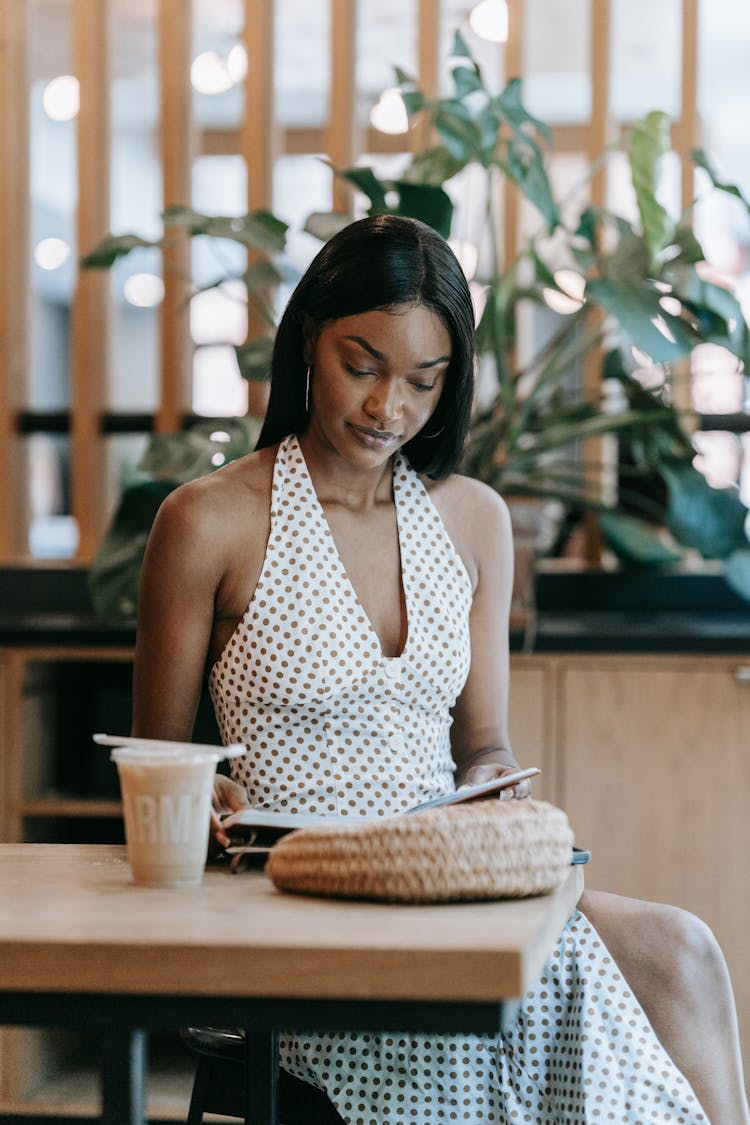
{"x":659,"y":612}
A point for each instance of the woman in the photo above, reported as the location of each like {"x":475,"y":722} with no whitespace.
{"x":348,"y":594}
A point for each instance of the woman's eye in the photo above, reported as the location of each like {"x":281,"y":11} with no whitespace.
{"x":424,"y":386}
{"x":357,"y":372}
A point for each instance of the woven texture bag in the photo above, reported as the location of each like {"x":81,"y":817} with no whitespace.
{"x":477,"y":850}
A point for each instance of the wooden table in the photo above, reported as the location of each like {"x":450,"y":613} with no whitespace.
{"x":79,"y":943}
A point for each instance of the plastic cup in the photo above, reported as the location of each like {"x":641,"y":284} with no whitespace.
{"x":166,"y":797}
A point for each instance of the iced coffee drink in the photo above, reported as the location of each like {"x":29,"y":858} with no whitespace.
{"x":167,"y":803}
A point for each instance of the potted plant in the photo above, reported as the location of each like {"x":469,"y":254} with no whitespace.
{"x":640,"y":287}
{"x":641,"y":293}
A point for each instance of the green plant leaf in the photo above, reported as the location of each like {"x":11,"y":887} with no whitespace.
{"x":635,"y":541}
{"x":258,"y":230}
{"x":561,"y":431}
{"x":648,"y":144}
{"x":426,"y":202}
{"x":635,"y":306}
{"x":111,"y":249}
{"x":467,"y":80}
{"x":700,"y":158}
{"x":712,"y":520}
{"x":524,"y":166}
{"x":254,"y":359}
{"x":459,"y":49}
{"x":515,"y":113}
{"x":261,"y":274}
{"x":183,"y":456}
{"x":737,"y":572}
{"x":433,"y":166}
{"x":630,"y":258}
{"x":720,"y":316}
{"x":324,"y":224}
{"x":412,"y":96}
{"x":689,"y":248}
{"x":459,"y":132}
{"x":368,"y":183}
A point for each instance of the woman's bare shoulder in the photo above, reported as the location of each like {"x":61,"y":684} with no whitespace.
{"x":475,"y":517}
{"x":206,"y":513}
{"x":246,"y":481}
{"x":469,"y":502}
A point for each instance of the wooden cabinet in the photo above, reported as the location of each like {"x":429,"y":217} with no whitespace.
{"x":650,"y":758}
{"x":656,"y":781}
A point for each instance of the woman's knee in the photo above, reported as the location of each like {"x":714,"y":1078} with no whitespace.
{"x":694,"y":961}
{"x":657,"y":946}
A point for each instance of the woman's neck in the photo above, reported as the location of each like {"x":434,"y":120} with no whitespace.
{"x":338,"y":481}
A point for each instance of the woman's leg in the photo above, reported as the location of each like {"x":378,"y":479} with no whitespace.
{"x":678,"y":974}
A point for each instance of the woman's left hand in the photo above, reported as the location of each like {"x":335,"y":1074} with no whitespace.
{"x":488,"y":771}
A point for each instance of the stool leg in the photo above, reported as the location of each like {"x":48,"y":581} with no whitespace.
{"x":123,"y":1077}
{"x":198,"y":1096}
{"x":262,"y":1077}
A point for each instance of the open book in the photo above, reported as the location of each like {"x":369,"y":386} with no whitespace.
{"x":257,"y":829}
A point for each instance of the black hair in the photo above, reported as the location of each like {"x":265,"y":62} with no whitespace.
{"x":380,"y":262}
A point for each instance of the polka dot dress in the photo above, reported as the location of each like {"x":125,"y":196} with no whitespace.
{"x":335,"y":728}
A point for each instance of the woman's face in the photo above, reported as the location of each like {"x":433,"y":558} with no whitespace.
{"x":376,"y":379}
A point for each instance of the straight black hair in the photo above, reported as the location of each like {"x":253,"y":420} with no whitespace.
{"x":380,"y":262}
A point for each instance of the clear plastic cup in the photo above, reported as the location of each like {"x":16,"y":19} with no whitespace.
{"x":166,"y":795}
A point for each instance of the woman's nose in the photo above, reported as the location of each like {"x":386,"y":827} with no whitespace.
{"x":385,"y":401}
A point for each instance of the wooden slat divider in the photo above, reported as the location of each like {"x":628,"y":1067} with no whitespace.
{"x":428,"y":65}
{"x":258,"y":133}
{"x":175,"y":50}
{"x":341,"y":133}
{"x":684,"y":138}
{"x":686,"y":129}
{"x":513,"y":69}
{"x":259,"y":144}
{"x":295,"y":141}
{"x":14,"y":267}
{"x":91,"y":302}
{"x":595,"y":451}
{"x":599,"y":127}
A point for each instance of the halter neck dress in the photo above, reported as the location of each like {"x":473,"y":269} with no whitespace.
{"x":336,"y":728}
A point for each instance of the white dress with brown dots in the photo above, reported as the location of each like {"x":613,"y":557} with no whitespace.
{"x":334,"y":727}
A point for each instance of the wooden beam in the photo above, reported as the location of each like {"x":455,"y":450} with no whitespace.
{"x":685,"y":132}
{"x":428,"y":66}
{"x":91,"y":303}
{"x":513,"y":69}
{"x":301,"y":140}
{"x":595,"y":451}
{"x":175,"y":47}
{"x":598,"y":132}
{"x":341,"y":132}
{"x":258,"y":133}
{"x":259,"y":146}
{"x":684,"y":139}
{"x":14,"y":267}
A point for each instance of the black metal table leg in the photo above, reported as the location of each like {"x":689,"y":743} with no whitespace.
{"x":123,"y":1075}
{"x":262,"y":1077}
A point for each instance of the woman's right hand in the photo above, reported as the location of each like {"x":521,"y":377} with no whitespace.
{"x":228,"y":797}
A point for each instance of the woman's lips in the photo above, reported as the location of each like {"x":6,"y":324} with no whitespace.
{"x":374,"y":439}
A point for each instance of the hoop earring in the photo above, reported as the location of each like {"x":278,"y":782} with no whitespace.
{"x":431,"y":436}
{"x":307,"y":390}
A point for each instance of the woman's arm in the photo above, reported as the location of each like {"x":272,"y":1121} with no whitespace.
{"x":180,"y":574}
{"x":182,"y":571}
{"x":479,"y":736}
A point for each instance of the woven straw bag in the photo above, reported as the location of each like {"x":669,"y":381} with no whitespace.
{"x":477,"y":850}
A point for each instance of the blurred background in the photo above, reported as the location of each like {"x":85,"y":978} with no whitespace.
{"x":114,"y":109}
